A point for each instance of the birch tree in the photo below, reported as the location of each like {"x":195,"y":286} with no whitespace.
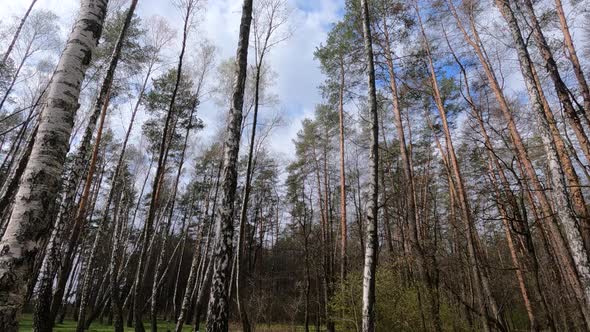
{"x":218,"y":309}
{"x":372,"y":243}
{"x":28,"y":226}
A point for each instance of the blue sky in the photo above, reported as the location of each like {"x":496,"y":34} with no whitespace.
{"x":298,"y":74}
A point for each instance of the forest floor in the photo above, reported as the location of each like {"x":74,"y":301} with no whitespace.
{"x":26,"y":325}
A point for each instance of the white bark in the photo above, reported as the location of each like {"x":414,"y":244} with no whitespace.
{"x":559,"y":193}
{"x":28,"y":226}
{"x":218,"y":311}
{"x":372,"y":244}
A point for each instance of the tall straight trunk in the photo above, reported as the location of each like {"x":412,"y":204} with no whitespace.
{"x":159,"y":263}
{"x":115,"y":300}
{"x":190,"y":284}
{"x":372,"y":244}
{"x":572,"y":185}
{"x":195,"y":268}
{"x":218,"y":309}
{"x":175,"y":309}
{"x":43,"y":321}
{"x":494,"y":164}
{"x":242,"y":310}
{"x":324,"y":228}
{"x":29,"y":226}
{"x":159,"y":178}
{"x":304,"y":227}
{"x":573,"y":57}
{"x":328,"y":242}
{"x":359,"y":210}
{"x":479,"y":274}
{"x":116,"y":307}
{"x":560,"y":88}
{"x":80,"y":215}
{"x":76,"y":171}
{"x":260,"y":52}
{"x":513,"y":254}
{"x":575,"y":266}
{"x":343,"y":222}
{"x":422,"y":265}
{"x":559,"y":191}
{"x":79,"y":162}
{"x":16,"y":34}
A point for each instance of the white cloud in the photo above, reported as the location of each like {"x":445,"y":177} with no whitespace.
{"x":298,"y":74}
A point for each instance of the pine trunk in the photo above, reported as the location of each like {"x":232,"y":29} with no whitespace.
{"x":573,"y":57}
{"x":422,"y":265}
{"x":560,"y":88}
{"x":559,"y":189}
{"x":571,"y":264}
{"x":81,"y":216}
{"x":158,"y":180}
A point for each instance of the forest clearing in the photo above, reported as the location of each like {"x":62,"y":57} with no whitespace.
{"x":294,"y":165}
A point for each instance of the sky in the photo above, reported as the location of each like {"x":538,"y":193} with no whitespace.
{"x":297,"y":74}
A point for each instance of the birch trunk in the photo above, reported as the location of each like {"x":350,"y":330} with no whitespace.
{"x":218,"y":309}
{"x":372,"y":244}
{"x":194,"y":273}
{"x":242,"y":310}
{"x":28,"y":226}
{"x":559,"y":192}
{"x":78,"y":164}
{"x":343,"y":218}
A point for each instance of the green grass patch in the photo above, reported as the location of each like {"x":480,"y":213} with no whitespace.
{"x":26,"y":325}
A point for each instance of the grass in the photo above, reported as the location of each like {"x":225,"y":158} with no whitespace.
{"x":26,"y":325}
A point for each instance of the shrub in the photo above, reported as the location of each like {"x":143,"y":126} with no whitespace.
{"x":398,"y":306}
